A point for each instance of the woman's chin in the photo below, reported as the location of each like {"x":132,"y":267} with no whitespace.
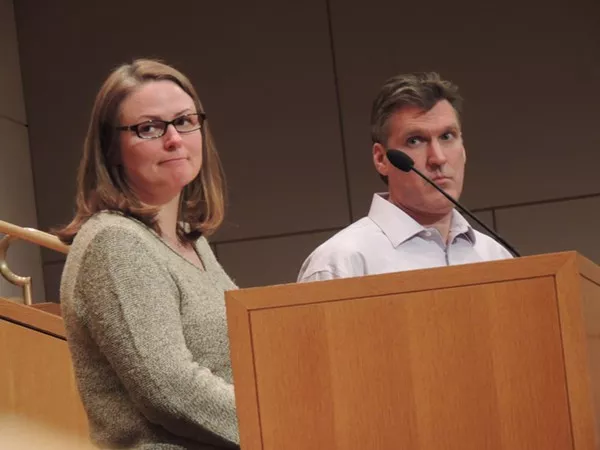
{"x":180,"y":179}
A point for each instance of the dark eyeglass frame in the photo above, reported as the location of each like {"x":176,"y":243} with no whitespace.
{"x":135,"y":128}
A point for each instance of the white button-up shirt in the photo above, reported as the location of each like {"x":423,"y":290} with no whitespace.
{"x":389,"y":240}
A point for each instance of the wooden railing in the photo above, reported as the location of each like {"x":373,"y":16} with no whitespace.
{"x":41,"y":238}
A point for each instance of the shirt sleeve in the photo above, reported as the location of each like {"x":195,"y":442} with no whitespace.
{"x":331,"y":261}
{"x":491,"y":249}
{"x":322,"y":275}
{"x":131,"y":309}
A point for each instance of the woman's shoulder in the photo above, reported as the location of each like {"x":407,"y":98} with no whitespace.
{"x":112,"y":229}
{"x":114,"y":220}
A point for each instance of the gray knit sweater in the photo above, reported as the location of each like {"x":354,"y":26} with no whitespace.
{"x":148,"y":336}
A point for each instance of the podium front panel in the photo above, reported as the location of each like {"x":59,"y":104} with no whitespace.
{"x":451,"y":369}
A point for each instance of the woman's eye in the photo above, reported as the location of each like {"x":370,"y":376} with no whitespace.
{"x":147,"y":127}
{"x":183,"y":120}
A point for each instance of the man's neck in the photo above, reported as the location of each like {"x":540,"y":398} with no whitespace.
{"x":441,"y":222}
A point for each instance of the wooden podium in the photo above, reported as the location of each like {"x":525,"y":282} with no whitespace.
{"x":37,"y":385}
{"x":499,"y":355}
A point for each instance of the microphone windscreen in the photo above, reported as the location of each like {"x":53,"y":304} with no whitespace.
{"x":400,"y":160}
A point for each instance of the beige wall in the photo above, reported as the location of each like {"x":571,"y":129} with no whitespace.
{"x":288,"y":87}
{"x":17,"y":203}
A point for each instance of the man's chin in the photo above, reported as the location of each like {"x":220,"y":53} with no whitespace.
{"x":441,"y":207}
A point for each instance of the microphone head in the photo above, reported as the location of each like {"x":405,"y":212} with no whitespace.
{"x":400,"y":160}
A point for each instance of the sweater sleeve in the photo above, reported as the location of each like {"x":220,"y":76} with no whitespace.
{"x":130,"y":305}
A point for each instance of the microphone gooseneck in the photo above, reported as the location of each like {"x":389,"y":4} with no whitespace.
{"x":405,"y":163}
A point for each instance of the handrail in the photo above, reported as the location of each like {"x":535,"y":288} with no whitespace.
{"x":38,"y":237}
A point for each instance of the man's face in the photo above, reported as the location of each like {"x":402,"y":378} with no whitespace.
{"x":433,"y":140}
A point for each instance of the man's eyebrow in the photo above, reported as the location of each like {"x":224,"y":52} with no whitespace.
{"x":414,"y":131}
{"x":417,"y":131}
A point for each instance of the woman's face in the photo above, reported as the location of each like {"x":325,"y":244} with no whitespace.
{"x":158,"y":169}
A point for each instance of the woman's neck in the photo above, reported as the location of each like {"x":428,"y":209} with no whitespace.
{"x":167,"y":218}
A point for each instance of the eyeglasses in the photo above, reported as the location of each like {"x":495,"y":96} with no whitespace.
{"x":153,"y":129}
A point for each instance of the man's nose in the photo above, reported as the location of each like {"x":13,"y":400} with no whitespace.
{"x":436,"y":156}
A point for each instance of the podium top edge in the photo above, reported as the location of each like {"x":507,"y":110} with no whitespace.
{"x":294,"y":294}
{"x":32,"y":318}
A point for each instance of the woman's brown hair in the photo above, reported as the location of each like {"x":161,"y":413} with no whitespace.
{"x":101,"y":184}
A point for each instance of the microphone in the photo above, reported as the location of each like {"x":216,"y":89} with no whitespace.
{"x":405,"y":163}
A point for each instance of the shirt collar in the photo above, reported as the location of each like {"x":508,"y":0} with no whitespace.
{"x":460,"y":226}
{"x":400,"y":227}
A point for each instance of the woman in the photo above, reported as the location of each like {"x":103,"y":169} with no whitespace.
{"x":142,"y":293}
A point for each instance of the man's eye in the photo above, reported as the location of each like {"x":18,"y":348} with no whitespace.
{"x":448,"y":136}
{"x":414,"y":140}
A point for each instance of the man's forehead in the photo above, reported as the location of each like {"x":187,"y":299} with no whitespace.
{"x":441,"y":115}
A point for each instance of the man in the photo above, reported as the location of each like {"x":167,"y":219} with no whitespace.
{"x":412,"y":226}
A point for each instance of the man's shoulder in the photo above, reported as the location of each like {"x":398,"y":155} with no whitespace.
{"x":351,"y":238}
{"x":343,"y":254}
{"x":489,"y":248}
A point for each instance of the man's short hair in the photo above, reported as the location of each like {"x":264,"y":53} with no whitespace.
{"x":421,"y":89}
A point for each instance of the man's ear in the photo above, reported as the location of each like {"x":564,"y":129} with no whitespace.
{"x":380,"y":159}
